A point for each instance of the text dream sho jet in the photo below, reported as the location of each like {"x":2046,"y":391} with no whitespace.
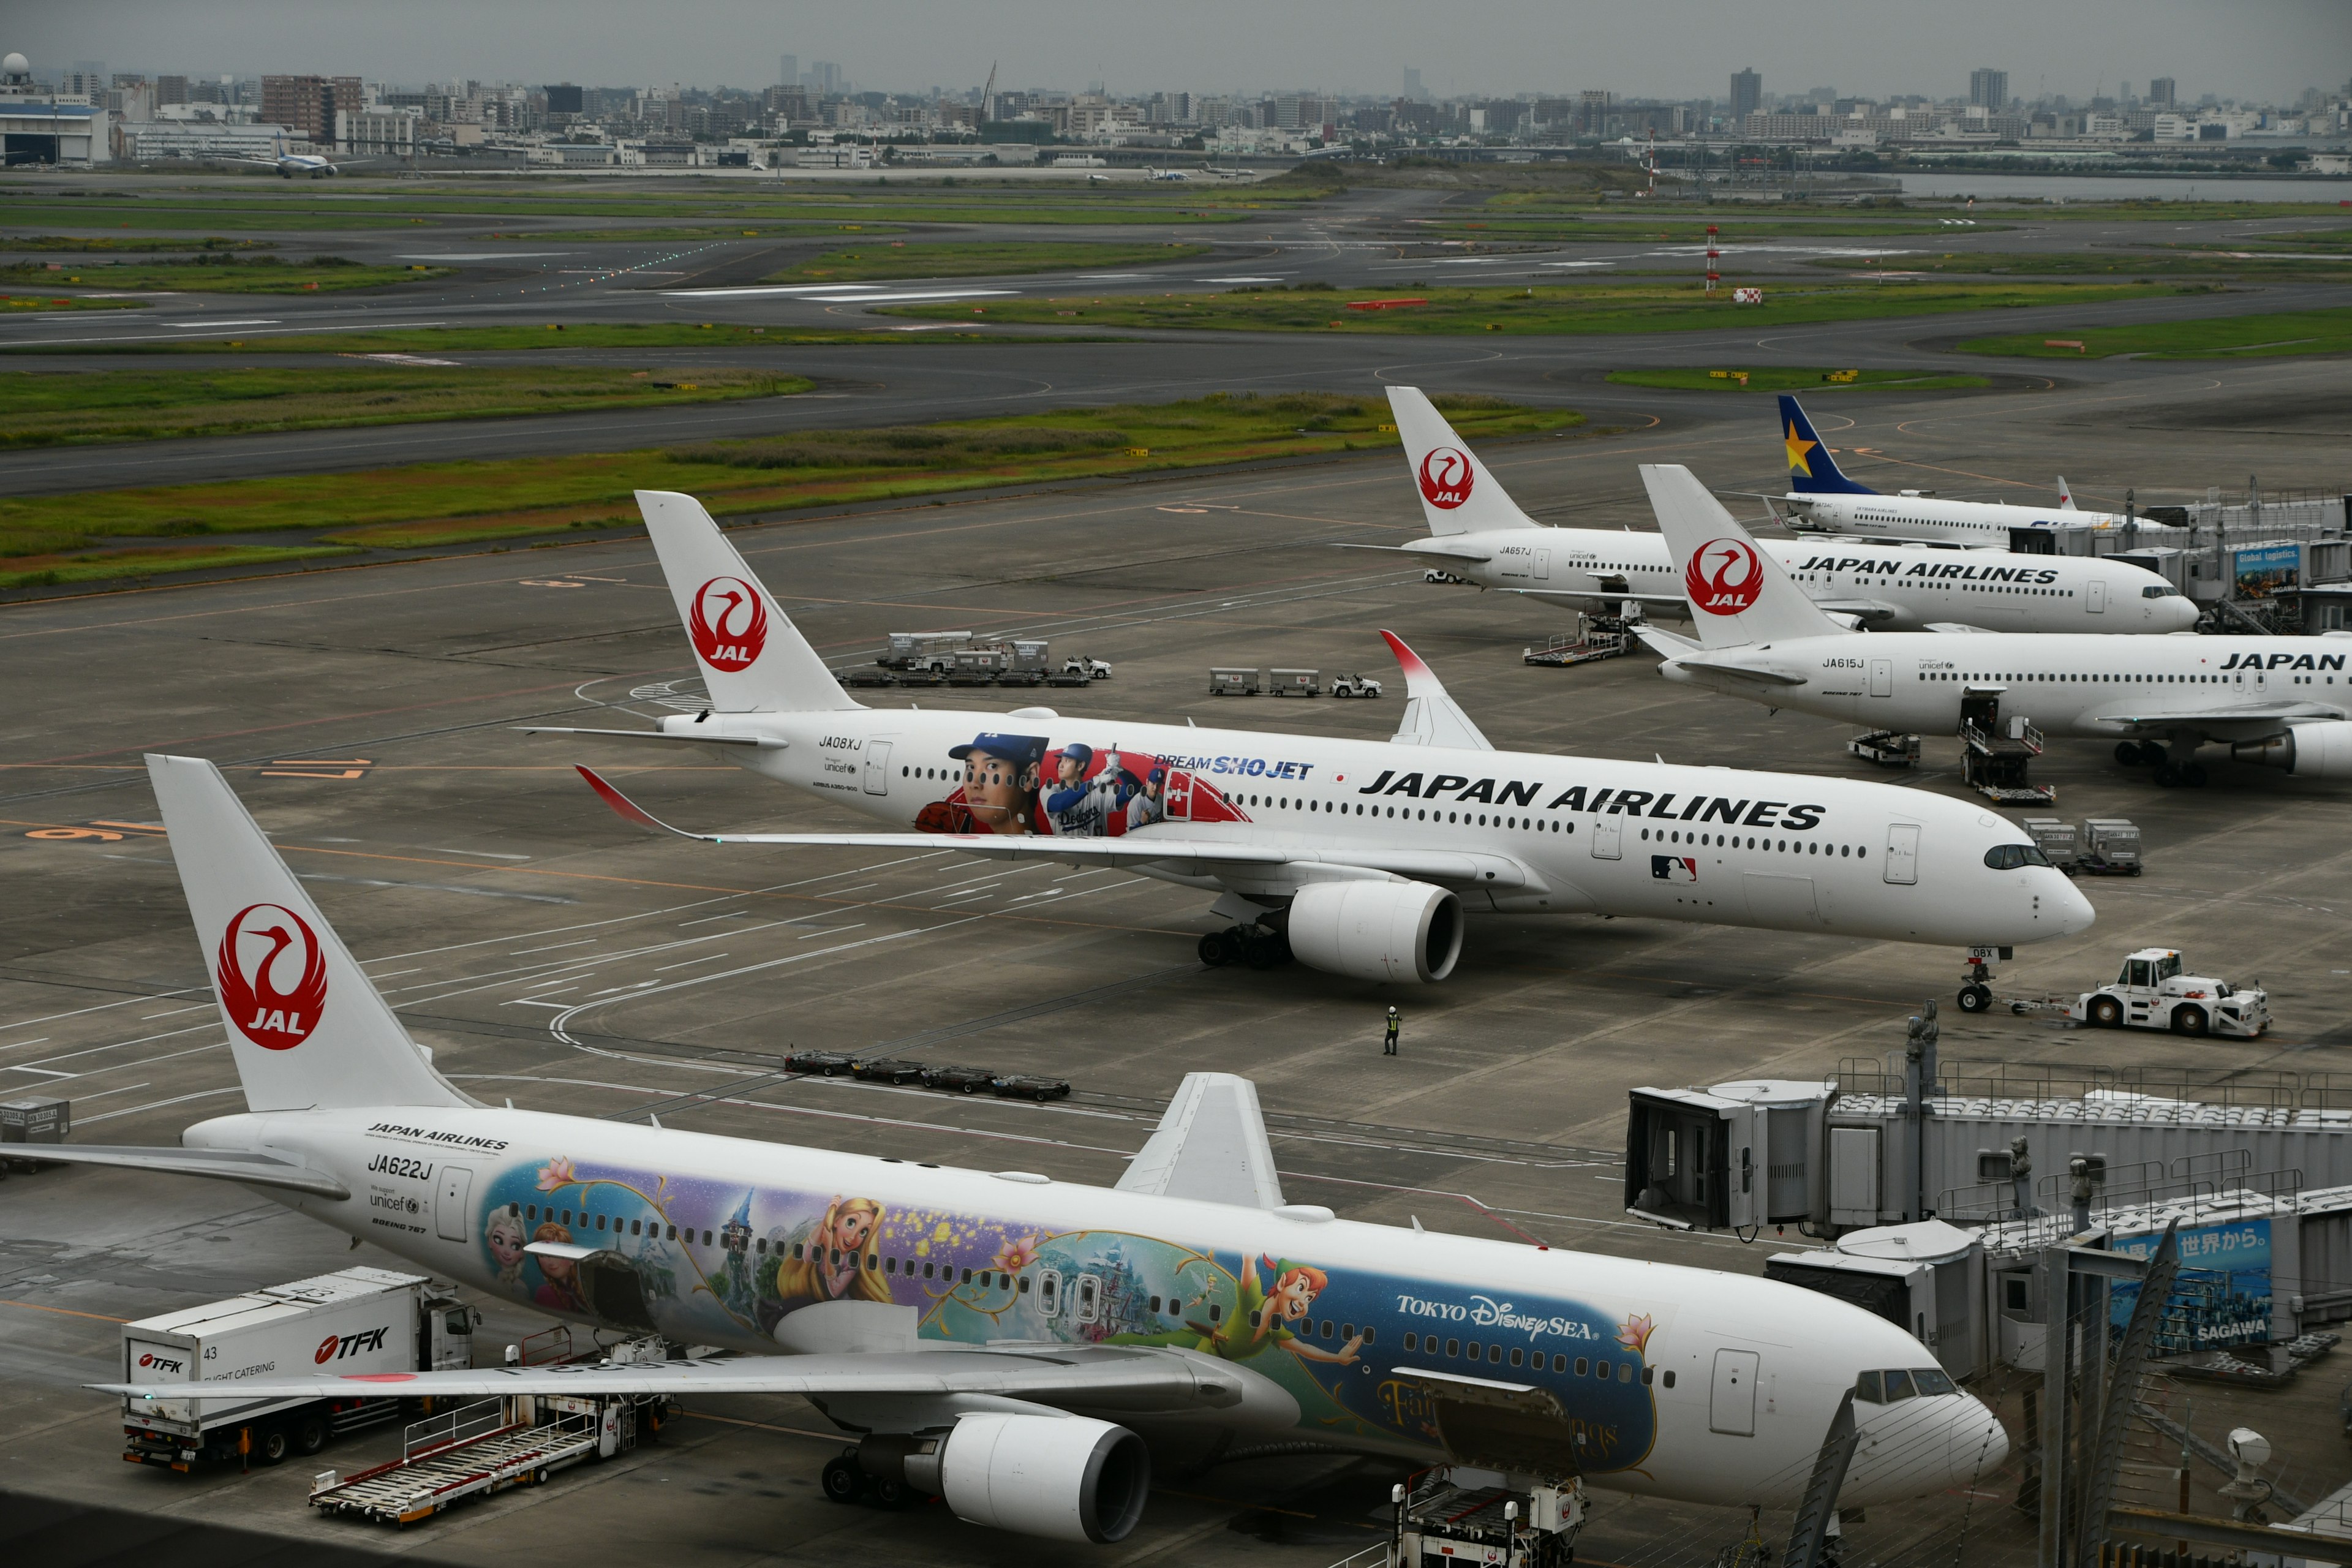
{"x":1361,"y":855}
{"x":1016,"y":1345}
{"x":1480,"y":535}
{"x":2283,"y":702}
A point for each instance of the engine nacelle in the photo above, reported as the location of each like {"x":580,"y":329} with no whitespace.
{"x":2321,"y":750}
{"x":1377,"y":931}
{"x":1067,"y":1477}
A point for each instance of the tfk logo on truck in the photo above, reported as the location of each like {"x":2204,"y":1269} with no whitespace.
{"x":1724,"y":577}
{"x":1445,"y":478}
{"x":162,"y":1363}
{"x":341,"y":1347}
{"x":272,"y":975}
{"x":728,"y":624}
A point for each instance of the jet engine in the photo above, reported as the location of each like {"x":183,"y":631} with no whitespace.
{"x":2321,"y":750}
{"x":1067,"y":1478}
{"x":1377,"y":931}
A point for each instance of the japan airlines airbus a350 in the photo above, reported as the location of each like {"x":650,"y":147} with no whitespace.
{"x":1362,"y":856}
{"x":1014,"y":1345}
{"x":1480,"y":535}
{"x":2283,"y":702}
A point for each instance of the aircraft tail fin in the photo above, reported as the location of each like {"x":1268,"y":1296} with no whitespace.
{"x":1458,"y":494}
{"x":1812,"y":469}
{"x":2065,"y":496}
{"x":1739,"y":594}
{"x":753,"y":659}
{"x":306,"y":1026}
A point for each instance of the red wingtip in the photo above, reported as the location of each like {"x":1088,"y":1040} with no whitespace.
{"x":1407,"y":660}
{"x":379,"y":1377}
{"x":621,"y":805}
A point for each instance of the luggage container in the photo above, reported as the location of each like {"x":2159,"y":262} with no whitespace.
{"x":2054,"y":836}
{"x":1294,"y":682}
{"x":2111,"y":847}
{"x":932,"y":651}
{"x":1233,"y":683}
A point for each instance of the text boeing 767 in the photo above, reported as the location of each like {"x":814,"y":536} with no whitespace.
{"x":1362,"y":856}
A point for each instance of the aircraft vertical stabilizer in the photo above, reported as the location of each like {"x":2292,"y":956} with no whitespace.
{"x":305,"y":1024}
{"x":1458,"y":494}
{"x":1812,"y":469}
{"x":1739,"y":594}
{"x":753,"y":659}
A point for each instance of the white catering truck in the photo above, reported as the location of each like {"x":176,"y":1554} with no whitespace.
{"x":353,"y":1320}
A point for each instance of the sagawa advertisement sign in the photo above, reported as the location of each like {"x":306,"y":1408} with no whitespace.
{"x":2222,"y":1296}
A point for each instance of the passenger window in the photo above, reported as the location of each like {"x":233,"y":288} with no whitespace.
{"x":1370,"y":1334}
{"x":1411,"y":1339}
{"x":1583,"y":1365}
{"x":1454,"y":1347}
{"x":1516,"y":1354}
{"x":1670,"y":1380}
{"x":1494,"y":1352}
{"x":1559,"y":1364}
{"x":1624,"y":1372}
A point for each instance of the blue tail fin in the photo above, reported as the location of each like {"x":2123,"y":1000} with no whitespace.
{"x":1812,"y":469}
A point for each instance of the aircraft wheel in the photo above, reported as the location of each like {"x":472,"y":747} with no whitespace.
{"x":2189,"y":1020}
{"x":1265,"y":951}
{"x":2193,"y":774}
{"x":2106,"y":1013}
{"x":1975,"y":998}
{"x":2153,"y":753}
{"x":2128,"y":752}
{"x":889,"y":1495}
{"x":1236,"y":943}
{"x":1212,"y":950}
{"x":2166,"y":776}
{"x":843,"y":1479}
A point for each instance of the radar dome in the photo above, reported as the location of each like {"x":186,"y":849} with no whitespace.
{"x":16,"y":65}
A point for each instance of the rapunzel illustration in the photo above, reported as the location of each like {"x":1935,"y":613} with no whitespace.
{"x":839,"y":1258}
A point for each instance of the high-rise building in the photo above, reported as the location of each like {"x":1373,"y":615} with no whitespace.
{"x":2161,"y":92}
{"x":1747,"y":92}
{"x":824,"y":78}
{"x":564,"y":98}
{"x":1412,"y":89}
{"x":1987,"y":88}
{"x":171,"y":90}
{"x":307,"y":104}
{"x":788,"y":71}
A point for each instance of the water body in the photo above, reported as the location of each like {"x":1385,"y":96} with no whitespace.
{"x":2123,"y":187}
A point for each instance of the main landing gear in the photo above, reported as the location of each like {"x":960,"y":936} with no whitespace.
{"x":2168,"y":773}
{"x":1260,"y":947}
{"x":845,"y":1480}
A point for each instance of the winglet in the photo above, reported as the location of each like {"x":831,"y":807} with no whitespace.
{"x":623,"y":807}
{"x":1431,"y":718}
{"x":1211,"y":1145}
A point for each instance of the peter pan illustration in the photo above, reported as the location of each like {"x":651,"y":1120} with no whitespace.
{"x":1261,"y":1319}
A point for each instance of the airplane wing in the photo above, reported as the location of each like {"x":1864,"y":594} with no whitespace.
{"x":2249,"y":723}
{"x":1676,"y":600}
{"x":1958,"y":628}
{"x":1430,"y":717}
{"x":1689,"y":656}
{"x":669,"y":737}
{"x":1860,"y":609}
{"x":220,"y":1165}
{"x":1139,"y":1378}
{"x":1211,"y":1145}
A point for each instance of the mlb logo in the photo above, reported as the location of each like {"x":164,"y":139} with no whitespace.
{"x":1674,"y":868}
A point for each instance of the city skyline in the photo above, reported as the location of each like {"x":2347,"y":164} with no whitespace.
{"x":1507,"y":47}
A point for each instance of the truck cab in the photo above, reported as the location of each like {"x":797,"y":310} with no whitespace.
{"x":2151,"y":992}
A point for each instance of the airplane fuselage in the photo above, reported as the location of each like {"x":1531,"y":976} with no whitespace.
{"x":1512,"y":832}
{"x":1977,"y":524}
{"x":1681,"y":1383}
{"x":1888,"y":587}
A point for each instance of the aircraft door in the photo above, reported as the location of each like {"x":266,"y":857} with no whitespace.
{"x":449,"y":1202}
{"x":1543,"y":565}
{"x":1607,"y":838}
{"x":877,"y":767}
{"x":1882,"y":677}
{"x":1731,"y":1409}
{"x":1903,"y":853}
{"x":2094,"y":596}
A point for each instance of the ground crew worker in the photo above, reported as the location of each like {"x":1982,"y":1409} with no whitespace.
{"x":1388,"y":1047}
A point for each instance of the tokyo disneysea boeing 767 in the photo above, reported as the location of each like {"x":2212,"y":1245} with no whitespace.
{"x":1016,"y":1345}
{"x":1478,"y":535}
{"x":1359,"y":857}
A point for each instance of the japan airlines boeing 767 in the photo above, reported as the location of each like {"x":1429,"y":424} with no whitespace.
{"x":1363,"y":856}
{"x":1015,"y":1345}
{"x":1477,"y":534}
{"x":2283,"y":702}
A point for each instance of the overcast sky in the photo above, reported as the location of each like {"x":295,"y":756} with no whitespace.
{"x":1674,"y":48}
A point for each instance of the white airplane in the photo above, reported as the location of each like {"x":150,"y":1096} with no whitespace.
{"x":1821,"y":500}
{"x":1013,"y":1343}
{"x":2281,"y":701}
{"x":1361,"y":855}
{"x":1480,"y":535}
{"x":1152,"y":173}
{"x":289,"y":164}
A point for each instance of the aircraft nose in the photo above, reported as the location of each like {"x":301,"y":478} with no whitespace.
{"x":1979,"y":1442}
{"x":2073,"y":910}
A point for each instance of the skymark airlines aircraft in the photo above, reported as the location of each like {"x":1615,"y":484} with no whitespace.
{"x":2283,"y":702}
{"x":1822,"y":499}
{"x":1001,"y":1339}
{"x":1477,"y":534}
{"x":1362,"y":857}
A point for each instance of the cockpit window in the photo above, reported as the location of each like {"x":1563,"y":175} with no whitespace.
{"x":1898,"y":1387}
{"x":1915,"y":1383}
{"x":1869,"y":1389}
{"x":1931,"y":1381}
{"x":2010,"y":857}
{"x":2160,"y":590}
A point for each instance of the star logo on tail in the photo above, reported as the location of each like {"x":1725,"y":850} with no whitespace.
{"x":1798,"y":446}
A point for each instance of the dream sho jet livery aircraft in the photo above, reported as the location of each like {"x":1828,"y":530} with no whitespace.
{"x":1822,"y":499}
{"x":2281,"y":701}
{"x":1478,"y":535}
{"x":1015,"y":1344}
{"x":1362,"y":856}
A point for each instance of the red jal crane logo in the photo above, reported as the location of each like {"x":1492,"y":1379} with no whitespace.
{"x":1725,"y":576}
{"x":728,"y":624}
{"x":1445,"y":478}
{"x":272,"y":976}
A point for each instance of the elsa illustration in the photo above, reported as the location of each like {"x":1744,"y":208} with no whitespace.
{"x":504,"y":1237}
{"x":841,"y":1261}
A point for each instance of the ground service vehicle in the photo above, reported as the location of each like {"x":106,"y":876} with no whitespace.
{"x":2150,"y":993}
{"x":1031,"y":1086}
{"x":827,"y":1064}
{"x":1350,"y":684}
{"x":353,"y":1323}
{"x":885,"y":1069}
{"x":1092,"y":669}
{"x":963,"y":1077}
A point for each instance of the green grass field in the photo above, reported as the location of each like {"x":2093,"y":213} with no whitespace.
{"x":66,"y":303}
{"x":104,"y":534}
{"x":2228,"y":337}
{"x":106,"y":244}
{"x":48,"y":408}
{"x":2104,"y":263}
{"x":220,"y":274}
{"x":1645,"y":308}
{"x":572,"y":335}
{"x":1787,"y":379}
{"x":975,"y":258}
